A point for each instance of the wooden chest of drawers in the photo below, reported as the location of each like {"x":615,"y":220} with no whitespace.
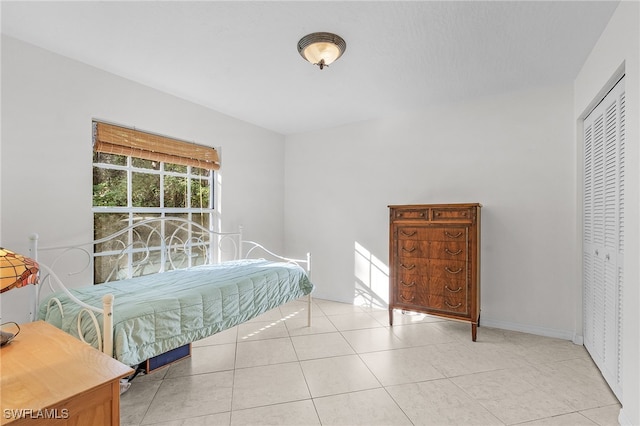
{"x":434,"y":261}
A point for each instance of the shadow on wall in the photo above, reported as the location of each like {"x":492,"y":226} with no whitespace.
{"x":371,"y":279}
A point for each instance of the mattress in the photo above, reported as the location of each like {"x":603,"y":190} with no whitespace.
{"x":156,"y":313}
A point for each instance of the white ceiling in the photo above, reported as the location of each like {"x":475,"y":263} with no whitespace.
{"x":240,"y":57}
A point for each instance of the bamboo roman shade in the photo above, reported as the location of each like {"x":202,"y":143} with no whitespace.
{"x":112,"y":139}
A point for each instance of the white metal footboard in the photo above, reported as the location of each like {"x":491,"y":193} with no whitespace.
{"x":303,"y":263}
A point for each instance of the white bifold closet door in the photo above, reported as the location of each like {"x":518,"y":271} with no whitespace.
{"x":603,"y":234}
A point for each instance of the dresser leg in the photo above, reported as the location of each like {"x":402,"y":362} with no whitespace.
{"x":474,"y":331}
{"x":390,"y":316}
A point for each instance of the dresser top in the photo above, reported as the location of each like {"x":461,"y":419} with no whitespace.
{"x":444,"y":205}
{"x":43,"y":365}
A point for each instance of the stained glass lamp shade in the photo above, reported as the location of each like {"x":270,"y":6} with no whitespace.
{"x":16,"y":270}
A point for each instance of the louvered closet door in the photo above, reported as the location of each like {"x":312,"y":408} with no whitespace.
{"x":603,"y":234}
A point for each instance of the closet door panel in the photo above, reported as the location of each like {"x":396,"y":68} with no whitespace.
{"x":603,"y":234}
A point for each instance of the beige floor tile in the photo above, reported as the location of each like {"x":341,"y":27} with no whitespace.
{"x":571,"y":419}
{"x":191,"y":396}
{"x":429,"y":368}
{"x":381,"y":315}
{"x":440,"y":402}
{"x":336,"y":308}
{"x":259,"y":330}
{"x":373,"y":339}
{"x":327,"y":376}
{"x":300,"y":309}
{"x":272,"y":315}
{"x":460,"y":358}
{"x":408,"y":317}
{"x":369,"y":408}
{"x":526,"y":406}
{"x":511,"y":397}
{"x":551,"y":350}
{"x":299,"y":326}
{"x":354,"y":321}
{"x":265,"y":352}
{"x":321,"y":346}
{"x":299,"y":413}
{"x":270,"y":384}
{"x":421,"y":334}
{"x":402,"y":365}
{"x":603,"y":416}
{"x":205,"y":359}
{"x":462,"y":330}
{"x":571,"y":385}
{"x":135,"y":402}
{"x":220,"y":419}
{"x":221,"y":338}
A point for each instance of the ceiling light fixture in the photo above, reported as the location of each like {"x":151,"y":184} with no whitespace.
{"x":321,"y":49}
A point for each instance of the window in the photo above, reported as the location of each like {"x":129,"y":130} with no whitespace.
{"x":138,"y":176}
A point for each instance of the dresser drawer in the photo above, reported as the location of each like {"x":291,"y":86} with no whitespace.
{"x":448,"y":269}
{"x":451,"y":304}
{"x":412,"y":282}
{"x":448,"y":234}
{"x":450,"y":250}
{"x":413,"y":248}
{"x":458,"y":214}
{"x":447,"y":287}
{"x":412,"y":233}
{"x":410,"y":214}
{"x":432,"y":233}
{"x":412,"y":265}
{"x":441,"y":303}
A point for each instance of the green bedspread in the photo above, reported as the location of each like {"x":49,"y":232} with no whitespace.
{"x":156,"y":313}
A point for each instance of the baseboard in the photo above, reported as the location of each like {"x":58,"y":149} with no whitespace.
{"x":578,"y":339}
{"x":532,"y":329}
{"x":623,"y":419}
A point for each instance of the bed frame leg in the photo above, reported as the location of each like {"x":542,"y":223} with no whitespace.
{"x":107,"y":319}
{"x":309,"y":300}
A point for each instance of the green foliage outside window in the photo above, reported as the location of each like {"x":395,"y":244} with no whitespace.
{"x":127,"y":190}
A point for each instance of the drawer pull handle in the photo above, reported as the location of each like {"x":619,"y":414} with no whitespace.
{"x":446,"y":268}
{"x":452,"y":306}
{"x":410,"y":267}
{"x":405,"y":299}
{"x":452,"y":253}
{"x":457,"y":290}
{"x":409,"y":250}
{"x":408,"y":234}
{"x":411,"y":284}
{"x":450,"y":235}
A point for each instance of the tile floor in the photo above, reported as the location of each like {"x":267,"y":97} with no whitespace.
{"x":351,"y":368}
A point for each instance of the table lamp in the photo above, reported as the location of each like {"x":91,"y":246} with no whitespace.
{"x":16,"y":271}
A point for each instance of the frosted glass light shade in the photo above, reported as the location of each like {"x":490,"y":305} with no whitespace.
{"x":321,"y":49}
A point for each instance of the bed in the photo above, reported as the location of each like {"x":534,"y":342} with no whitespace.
{"x":175,"y":282}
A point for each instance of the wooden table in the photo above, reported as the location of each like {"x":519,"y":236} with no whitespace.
{"x":50,"y":377}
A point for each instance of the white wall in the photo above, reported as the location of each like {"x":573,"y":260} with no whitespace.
{"x":513,"y":153}
{"x":48,"y":102}
{"x":619,"y":48}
